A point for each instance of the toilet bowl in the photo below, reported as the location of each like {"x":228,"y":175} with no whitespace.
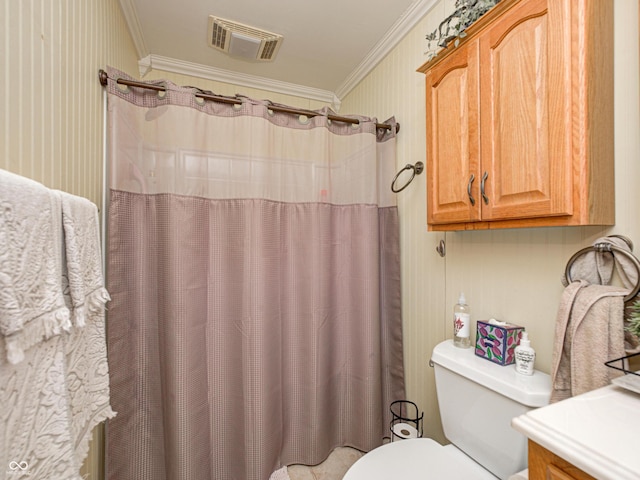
{"x":477,"y":401}
{"x":413,"y":459}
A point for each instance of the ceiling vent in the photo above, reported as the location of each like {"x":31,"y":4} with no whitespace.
{"x":243,"y":41}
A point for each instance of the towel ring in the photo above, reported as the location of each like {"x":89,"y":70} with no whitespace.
{"x":417,"y":170}
{"x":606,"y":247}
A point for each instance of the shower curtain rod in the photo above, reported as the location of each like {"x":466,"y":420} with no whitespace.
{"x":103,"y":76}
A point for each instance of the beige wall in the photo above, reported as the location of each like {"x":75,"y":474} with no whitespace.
{"x":51,"y":120}
{"x":51,"y":127}
{"x":512,"y":275}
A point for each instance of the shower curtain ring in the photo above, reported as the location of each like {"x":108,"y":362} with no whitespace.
{"x":417,"y":170}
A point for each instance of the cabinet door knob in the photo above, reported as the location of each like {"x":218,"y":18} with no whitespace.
{"x":484,"y":196}
{"x":471,"y":199}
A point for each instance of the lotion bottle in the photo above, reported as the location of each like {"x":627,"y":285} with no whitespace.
{"x":461,"y":321}
{"x":525,"y":355}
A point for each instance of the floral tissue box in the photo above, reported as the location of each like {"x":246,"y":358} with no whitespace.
{"x":496,"y":341}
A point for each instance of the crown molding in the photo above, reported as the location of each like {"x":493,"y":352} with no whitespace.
{"x":144,"y":65}
{"x":157,"y":62}
{"x":133,"y":23}
{"x":396,"y":33}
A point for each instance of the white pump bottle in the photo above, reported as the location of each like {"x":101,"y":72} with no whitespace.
{"x":525,"y":355}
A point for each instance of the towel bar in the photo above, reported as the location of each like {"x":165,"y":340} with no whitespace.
{"x":606,"y":247}
{"x":416,"y":170}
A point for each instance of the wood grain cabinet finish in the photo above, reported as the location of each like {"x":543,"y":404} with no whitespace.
{"x":545,"y":465}
{"x":520,"y":119}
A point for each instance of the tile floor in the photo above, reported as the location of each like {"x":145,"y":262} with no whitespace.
{"x":333,"y":468}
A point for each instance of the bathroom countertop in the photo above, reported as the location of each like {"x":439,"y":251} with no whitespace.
{"x":597,"y":432}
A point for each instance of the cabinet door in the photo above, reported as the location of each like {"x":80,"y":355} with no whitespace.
{"x":453,"y":138}
{"x":525,"y":82}
{"x":547,"y":465}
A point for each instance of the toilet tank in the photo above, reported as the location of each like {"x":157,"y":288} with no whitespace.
{"x":478,"y":399}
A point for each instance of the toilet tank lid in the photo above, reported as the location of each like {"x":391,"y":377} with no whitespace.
{"x":532,"y":391}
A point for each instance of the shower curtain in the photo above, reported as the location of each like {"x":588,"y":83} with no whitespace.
{"x":253,"y":264}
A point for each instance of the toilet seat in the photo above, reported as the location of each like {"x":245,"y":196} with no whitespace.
{"x":416,"y":459}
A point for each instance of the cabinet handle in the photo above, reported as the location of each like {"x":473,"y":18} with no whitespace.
{"x":484,"y":196}
{"x":471,"y":199}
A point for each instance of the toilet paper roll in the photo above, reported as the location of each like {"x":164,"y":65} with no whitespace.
{"x":404,"y":430}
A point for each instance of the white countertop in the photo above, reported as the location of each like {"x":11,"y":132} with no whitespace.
{"x":598,"y":432}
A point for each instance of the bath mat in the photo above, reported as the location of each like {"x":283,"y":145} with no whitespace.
{"x":280,"y":474}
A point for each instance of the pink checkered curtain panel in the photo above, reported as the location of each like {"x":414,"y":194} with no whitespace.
{"x":253,"y":264}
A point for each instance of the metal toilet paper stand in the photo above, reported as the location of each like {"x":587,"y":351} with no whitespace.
{"x":406,"y":420}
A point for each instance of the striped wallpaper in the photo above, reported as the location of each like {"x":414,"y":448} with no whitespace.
{"x":51,"y":120}
{"x":512,"y":275}
{"x":51,"y":131}
{"x":51,"y":124}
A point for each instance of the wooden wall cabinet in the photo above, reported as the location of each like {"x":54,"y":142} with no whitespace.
{"x":520,"y":119}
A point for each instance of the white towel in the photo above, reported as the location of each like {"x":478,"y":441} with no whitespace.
{"x":32,"y":307}
{"x":85,"y":347}
{"x":54,"y":384}
{"x":83,"y":261}
{"x":35,"y":435}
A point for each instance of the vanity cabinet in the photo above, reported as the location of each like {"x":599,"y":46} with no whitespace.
{"x":586,"y":437}
{"x":546,"y":465}
{"x":520,"y":119}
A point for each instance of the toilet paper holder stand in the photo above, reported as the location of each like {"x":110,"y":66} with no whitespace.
{"x":406,"y":420}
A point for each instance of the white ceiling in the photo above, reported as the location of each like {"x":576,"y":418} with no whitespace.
{"x":328,"y":46}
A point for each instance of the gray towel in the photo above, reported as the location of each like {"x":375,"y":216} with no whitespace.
{"x":597,"y":267}
{"x":589,"y":332}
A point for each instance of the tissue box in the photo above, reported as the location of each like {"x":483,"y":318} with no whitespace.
{"x":497,"y":342}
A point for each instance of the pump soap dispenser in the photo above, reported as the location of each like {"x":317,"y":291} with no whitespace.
{"x":525,"y":355}
{"x":461,"y":321}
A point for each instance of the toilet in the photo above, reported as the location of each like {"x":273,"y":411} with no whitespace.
{"x":477,"y":400}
